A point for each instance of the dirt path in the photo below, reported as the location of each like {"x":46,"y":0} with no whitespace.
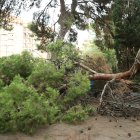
{"x":96,"y":128}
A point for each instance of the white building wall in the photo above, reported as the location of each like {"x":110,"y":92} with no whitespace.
{"x":19,"y":39}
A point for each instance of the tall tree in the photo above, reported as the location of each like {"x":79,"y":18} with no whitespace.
{"x":127,"y":30}
{"x":104,"y":30}
{"x":121,"y":30}
{"x":72,"y":12}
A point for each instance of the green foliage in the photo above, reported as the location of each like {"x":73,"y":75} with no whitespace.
{"x":30,"y":90}
{"x":22,"y":108}
{"x":119,"y":29}
{"x":110,"y":56}
{"x":45,"y":75}
{"x":16,"y":64}
{"x":126,"y":20}
{"x":1,"y":84}
{"x":90,"y":109}
{"x":75,"y":114}
{"x":91,"y":49}
{"x":52,"y":96}
{"x":42,"y":32}
{"x":125,"y":16}
{"x":78,"y":86}
{"x":102,"y":60}
{"x":63,"y":54}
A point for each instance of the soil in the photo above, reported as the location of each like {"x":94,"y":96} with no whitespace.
{"x":95,"y":128}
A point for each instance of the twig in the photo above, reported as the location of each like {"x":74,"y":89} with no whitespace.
{"x":104,"y":89}
{"x":44,"y":10}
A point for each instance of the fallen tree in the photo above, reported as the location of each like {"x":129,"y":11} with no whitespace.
{"x":118,"y":97}
{"x":122,"y":75}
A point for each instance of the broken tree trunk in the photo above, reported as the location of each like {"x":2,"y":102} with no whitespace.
{"x":122,"y":75}
{"x":102,"y":76}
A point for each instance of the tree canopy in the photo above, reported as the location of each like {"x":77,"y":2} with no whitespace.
{"x":9,"y":8}
{"x":115,"y":22}
{"x":127,"y":30}
{"x":121,"y":31}
{"x":126,"y":20}
{"x":74,"y":12}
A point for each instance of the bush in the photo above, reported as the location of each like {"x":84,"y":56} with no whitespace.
{"x":14,"y":65}
{"x":22,"y":108}
{"x":90,"y":110}
{"x":1,"y":84}
{"x":78,"y":86}
{"x":52,"y":96}
{"x":45,"y":75}
{"x":30,"y":90}
{"x":75,"y":114}
{"x":62,"y":54}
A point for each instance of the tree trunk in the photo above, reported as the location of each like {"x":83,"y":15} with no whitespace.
{"x":102,"y":76}
{"x":65,"y":21}
{"x":66,"y":18}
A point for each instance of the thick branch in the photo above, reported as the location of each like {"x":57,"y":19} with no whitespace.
{"x":122,"y":75}
{"x":103,"y":76}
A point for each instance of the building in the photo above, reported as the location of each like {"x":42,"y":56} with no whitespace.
{"x":19,"y":39}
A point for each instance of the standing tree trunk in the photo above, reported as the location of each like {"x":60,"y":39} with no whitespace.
{"x":66,"y":18}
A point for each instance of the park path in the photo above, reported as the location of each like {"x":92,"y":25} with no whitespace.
{"x":95,"y":128}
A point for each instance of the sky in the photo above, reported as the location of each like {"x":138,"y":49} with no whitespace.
{"x":27,"y":16}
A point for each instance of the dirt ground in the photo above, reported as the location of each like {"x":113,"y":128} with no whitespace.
{"x":95,"y":128}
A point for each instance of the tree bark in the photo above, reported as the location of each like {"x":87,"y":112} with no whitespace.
{"x":66,"y":18}
{"x":102,"y":76}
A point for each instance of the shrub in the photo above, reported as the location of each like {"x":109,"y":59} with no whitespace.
{"x":22,"y":108}
{"x":52,"y":96}
{"x":26,"y":64}
{"x":75,"y":114}
{"x":29,"y":90}
{"x":62,"y":53}
{"x":1,"y":84}
{"x":45,"y":75}
{"x":78,"y":86}
{"x":90,"y":109}
{"x":14,"y":65}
